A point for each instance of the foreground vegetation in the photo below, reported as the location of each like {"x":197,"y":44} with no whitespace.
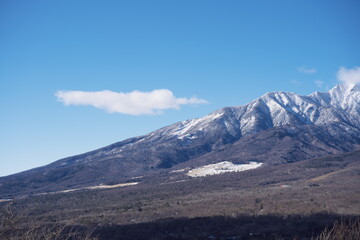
{"x":322,"y":226}
{"x":315,"y":199}
{"x":344,"y":230}
{"x":12,"y":227}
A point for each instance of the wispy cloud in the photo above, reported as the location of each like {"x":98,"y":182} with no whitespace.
{"x":319,"y":83}
{"x":307,"y":70}
{"x":349,"y":76}
{"x":132,"y":103}
{"x":296,"y":82}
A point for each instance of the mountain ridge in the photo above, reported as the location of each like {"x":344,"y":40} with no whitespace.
{"x":305,"y":126}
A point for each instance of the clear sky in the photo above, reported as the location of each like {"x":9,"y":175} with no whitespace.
{"x":58,"y":57}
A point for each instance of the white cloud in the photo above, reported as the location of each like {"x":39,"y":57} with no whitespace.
{"x":305,"y":69}
{"x":349,"y":76}
{"x":296,"y":82}
{"x":132,"y":103}
{"x":319,"y":83}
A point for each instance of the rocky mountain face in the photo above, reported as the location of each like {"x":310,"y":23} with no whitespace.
{"x":277,"y":128}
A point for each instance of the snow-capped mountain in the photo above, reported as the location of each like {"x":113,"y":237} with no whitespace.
{"x":276,"y":128}
{"x":341,"y":105}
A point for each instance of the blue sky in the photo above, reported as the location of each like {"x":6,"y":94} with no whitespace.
{"x":224,"y":52}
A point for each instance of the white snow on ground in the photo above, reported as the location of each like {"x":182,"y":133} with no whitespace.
{"x":221,"y":167}
{"x":111,"y":186}
{"x":174,"y":182}
{"x":137,"y":177}
{"x":179,"y":170}
{"x":92,"y":188}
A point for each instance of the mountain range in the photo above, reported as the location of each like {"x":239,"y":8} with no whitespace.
{"x":277,"y":128}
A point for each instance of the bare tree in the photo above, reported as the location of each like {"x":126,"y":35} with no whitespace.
{"x":10,"y":228}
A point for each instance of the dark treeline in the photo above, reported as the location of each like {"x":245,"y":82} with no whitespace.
{"x":219,"y":227}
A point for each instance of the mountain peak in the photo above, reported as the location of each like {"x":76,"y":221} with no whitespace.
{"x":302,"y":126}
{"x":345,"y":89}
{"x":346,"y":96}
{"x":275,"y":109}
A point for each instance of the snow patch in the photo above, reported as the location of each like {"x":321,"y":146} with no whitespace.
{"x":222,"y":167}
{"x":112,"y":186}
{"x":91,"y":188}
{"x":180,"y":170}
{"x":174,"y":182}
{"x":137,"y":177}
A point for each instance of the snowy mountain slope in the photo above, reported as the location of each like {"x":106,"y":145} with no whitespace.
{"x":340,"y":105}
{"x":276,"y":128}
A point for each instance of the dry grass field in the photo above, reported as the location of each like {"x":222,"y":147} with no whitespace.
{"x":287,"y":201}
